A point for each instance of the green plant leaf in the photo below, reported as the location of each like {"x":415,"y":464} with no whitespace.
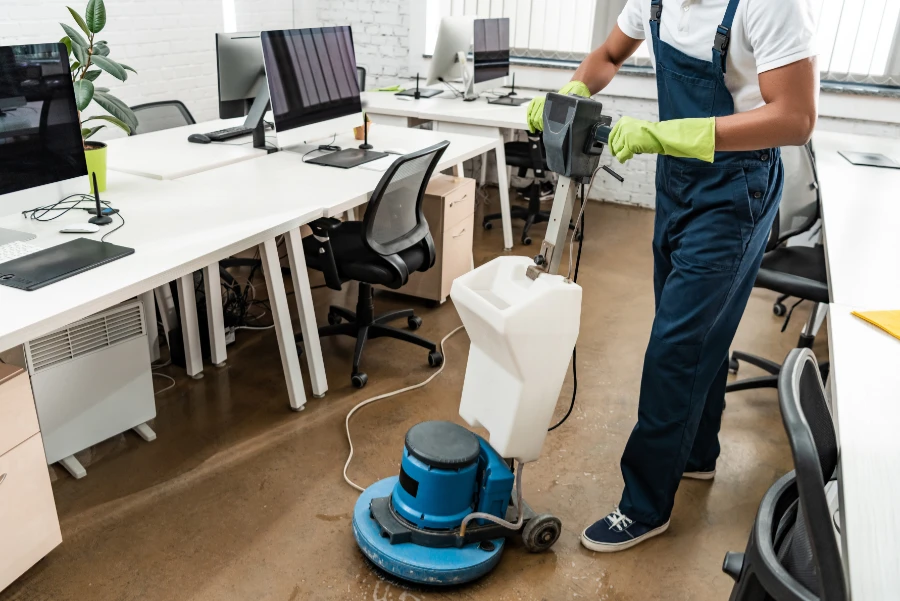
{"x":127,"y":68}
{"x":84,"y":92}
{"x":104,"y":90}
{"x":79,"y":20}
{"x":110,"y":119}
{"x":111,"y":67}
{"x":75,"y":66}
{"x":75,"y":37}
{"x":116,"y":108}
{"x":92,"y":75}
{"x":101,"y":49}
{"x":68,"y":44}
{"x":87,"y":132}
{"x":81,"y":55}
{"x":96,"y":15}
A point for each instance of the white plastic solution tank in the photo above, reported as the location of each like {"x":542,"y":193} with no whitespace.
{"x":522,"y":332}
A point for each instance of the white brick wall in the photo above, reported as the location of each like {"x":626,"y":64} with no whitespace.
{"x":261,"y":15}
{"x":380,"y":35}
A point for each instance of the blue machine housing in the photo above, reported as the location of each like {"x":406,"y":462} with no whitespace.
{"x":439,"y":498}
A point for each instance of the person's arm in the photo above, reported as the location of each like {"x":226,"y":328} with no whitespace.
{"x":788,"y":118}
{"x":601,"y":65}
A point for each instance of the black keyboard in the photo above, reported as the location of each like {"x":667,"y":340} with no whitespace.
{"x":229,"y":133}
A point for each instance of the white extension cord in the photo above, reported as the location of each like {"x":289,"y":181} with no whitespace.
{"x":386,"y":395}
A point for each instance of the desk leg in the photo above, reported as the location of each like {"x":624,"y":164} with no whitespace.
{"x":458,"y":170}
{"x":503,"y":183}
{"x":190,"y":327}
{"x":483,"y":171}
{"x":149,"y":302}
{"x":216,"y":322}
{"x":307,"y":313}
{"x":268,"y":252}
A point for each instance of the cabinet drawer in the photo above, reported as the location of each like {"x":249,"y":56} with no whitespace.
{"x":459,"y":204}
{"x":18,"y":417}
{"x":29,"y":528}
{"x":457,"y":252}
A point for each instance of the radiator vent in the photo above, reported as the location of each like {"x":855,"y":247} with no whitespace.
{"x":86,"y":336}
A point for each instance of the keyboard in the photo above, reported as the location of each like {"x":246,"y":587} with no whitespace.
{"x":14,"y":250}
{"x":229,"y":133}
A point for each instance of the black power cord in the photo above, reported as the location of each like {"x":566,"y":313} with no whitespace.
{"x":575,"y":349}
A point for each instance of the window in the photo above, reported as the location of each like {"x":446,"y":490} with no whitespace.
{"x":859,"y":40}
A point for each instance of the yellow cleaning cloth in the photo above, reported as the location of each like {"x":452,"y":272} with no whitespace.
{"x":889,"y":321}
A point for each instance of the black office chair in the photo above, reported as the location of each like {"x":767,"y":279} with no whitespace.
{"x":391,"y":242}
{"x":157,"y":116}
{"x":525,"y":156}
{"x":361,"y":78}
{"x":791,"y":271}
{"x":793,"y":553}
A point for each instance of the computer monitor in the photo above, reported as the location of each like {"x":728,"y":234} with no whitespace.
{"x":454,"y":37}
{"x":312,"y":82}
{"x":491,"y":49}
{"x":41,"y":148}
{"x":241,"y":72}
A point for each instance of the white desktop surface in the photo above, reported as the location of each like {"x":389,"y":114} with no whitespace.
{"x":174,"y":230}
{"x":451,"y":110}
{"x":167,"y":154}
{"x":861,"y":212}
{"x":865,"y":373}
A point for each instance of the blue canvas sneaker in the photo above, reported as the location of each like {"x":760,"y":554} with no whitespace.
{"x":617,"y":532}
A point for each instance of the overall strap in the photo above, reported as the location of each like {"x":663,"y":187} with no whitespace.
{"x":655,"y":10}
{"x":723,"y":32}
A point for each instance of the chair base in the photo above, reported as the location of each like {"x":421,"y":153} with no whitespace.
{"x":364,"y":325}
{"x":770,"y":381}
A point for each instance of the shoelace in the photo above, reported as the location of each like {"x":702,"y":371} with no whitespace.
{"x":619,"y":521}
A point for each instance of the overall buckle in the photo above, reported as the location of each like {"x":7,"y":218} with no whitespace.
{"x":655,"y":10}
{"x":723,"y":39}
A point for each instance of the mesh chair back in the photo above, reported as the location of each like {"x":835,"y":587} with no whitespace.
{"x":799,"y":208}
{"x":361,"y":78}
{"x":394,"y":220}
{"x":157,"y":116}
{"x":810,"y":550}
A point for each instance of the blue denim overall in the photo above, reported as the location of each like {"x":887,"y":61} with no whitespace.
{"x":712,"y":224}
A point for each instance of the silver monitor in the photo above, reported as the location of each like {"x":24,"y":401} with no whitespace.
{"x":41,"y":148}
{"x":241,"y":72}
{"x":454,"y":37}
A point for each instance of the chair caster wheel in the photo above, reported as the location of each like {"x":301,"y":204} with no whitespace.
{"x":359,"y":380}
{"x":779,"y":309}
{"x":435,"y":359}
{"x":526,"y":241}
{"x":541,"y":532}
{"x":733,"y":365}
{"x":487,"y":225}
{"x":414,"y":322}
{"x":334,"y":319}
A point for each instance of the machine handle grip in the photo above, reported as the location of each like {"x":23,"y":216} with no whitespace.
{"x":614,"y":174}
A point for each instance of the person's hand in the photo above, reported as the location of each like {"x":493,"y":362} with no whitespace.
{"x":535,"y":112}
{"x":687,"y":138}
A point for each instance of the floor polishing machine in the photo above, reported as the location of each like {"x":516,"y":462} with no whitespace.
{"x":446,"y":517}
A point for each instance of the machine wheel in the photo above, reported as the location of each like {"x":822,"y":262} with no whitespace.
{"x":779,"y":309}
{"x":541,"y":532}
{"x":333,"y":319}
{"x":526,"y":240}
{"x":435,"y":359}
{"x":487,"y":225}
{"x":359,"y":380}
{"x":414,"y":322}
{"x":733,"y":365}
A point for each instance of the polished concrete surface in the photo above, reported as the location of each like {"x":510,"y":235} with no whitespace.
{"x":240,"y":498}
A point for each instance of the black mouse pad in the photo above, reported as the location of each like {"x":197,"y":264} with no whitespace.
{"x":869,"y":159}
{"x":58,"y":263}
{"x":347,"y":158}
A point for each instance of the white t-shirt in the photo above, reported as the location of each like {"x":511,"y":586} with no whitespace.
{"x":765,"y":35}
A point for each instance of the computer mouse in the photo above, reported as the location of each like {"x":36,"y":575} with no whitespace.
{"x":199,"y":139}
{"x":80,"y":228}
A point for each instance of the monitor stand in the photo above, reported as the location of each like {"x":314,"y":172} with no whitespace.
{"x":256,"y":117}
{"x":7,"y":236}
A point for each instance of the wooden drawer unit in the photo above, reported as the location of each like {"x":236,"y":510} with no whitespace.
{"x":449,"y":208}
{"x":18,"y":417}
{"x":29,"y":528}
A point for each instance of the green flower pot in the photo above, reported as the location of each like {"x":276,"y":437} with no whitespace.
{"x":95,"y":154}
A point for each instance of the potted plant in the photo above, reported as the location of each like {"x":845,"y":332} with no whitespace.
{"x":88,"y":59}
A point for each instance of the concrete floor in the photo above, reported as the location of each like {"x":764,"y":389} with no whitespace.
{"x":239,"y":498}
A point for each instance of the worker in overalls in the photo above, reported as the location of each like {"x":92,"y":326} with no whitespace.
{"x":736,"y":80}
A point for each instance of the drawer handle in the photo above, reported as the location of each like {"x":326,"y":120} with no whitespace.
{"x":2,"y":478}
{"x":461,"y":232}
{"x":459,"y":201}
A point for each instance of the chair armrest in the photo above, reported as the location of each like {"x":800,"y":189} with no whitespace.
{"x":325,"y":225}
{"x":535,"y":142}
{"x":321,"y":244}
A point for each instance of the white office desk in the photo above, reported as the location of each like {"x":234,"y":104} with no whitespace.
{"x":168,"y":155}
{"x":453,"y":115}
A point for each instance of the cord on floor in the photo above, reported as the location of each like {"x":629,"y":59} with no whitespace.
{"x":386,"y":395}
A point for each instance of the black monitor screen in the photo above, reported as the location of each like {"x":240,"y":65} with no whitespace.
{"x":312,"y":75}
{"x":40,"y":134}
{"x":491,"y":50}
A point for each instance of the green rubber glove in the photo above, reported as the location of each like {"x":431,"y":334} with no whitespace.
{"x":535,"y":119}
{"x":686,"y":138}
